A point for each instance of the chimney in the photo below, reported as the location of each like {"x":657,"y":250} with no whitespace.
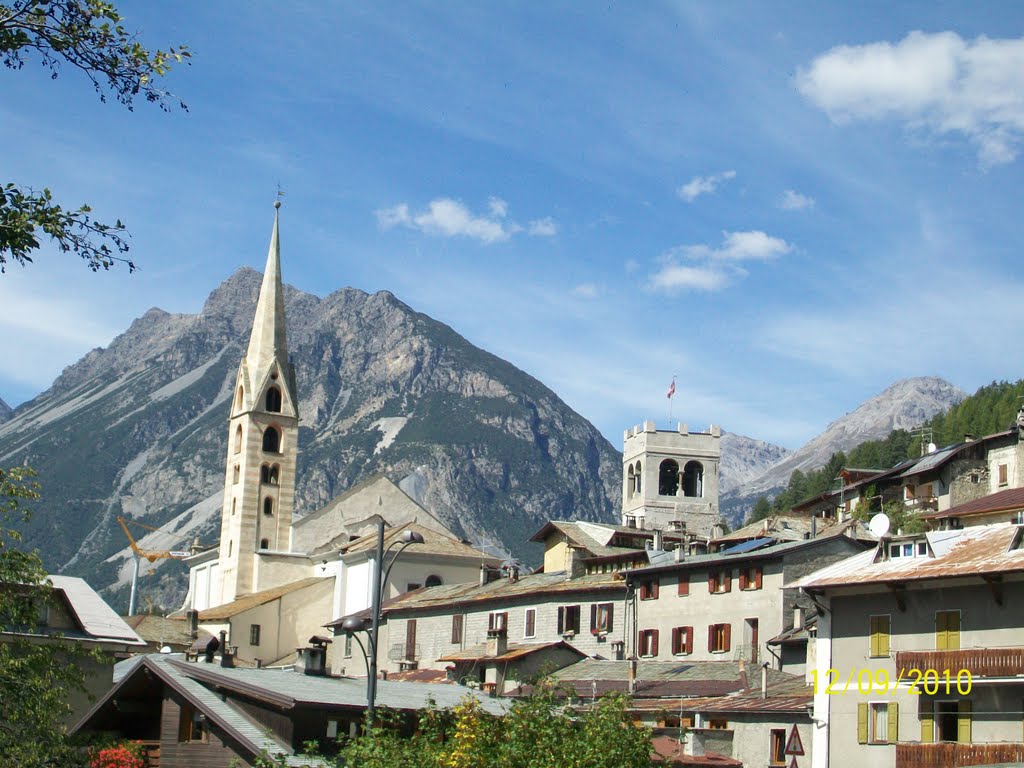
{"x":312,"y":660}
{"x":227,"y":658}
{"x":483,"y":574}
{"x":798,"y":616}
{"x":764,"y":680}
{"x":680,"y":552}
{"x":383,"y":674}
{"x":814,"y":526}
{"x":659,"y":540}
{"x":574,"y":567}
{"x":497,"y":642}
{"x":193,"y":624}
{"x":632,"y":675}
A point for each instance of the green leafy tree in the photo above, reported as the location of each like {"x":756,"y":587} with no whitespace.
{"x":86,"y":35}
{"x":762,"y":509}
{"x":35,"y":677}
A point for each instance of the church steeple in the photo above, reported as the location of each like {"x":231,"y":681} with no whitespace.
{"x":263,"y":430}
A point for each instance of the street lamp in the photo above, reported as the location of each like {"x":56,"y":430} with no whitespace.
{"x":355,"y":624}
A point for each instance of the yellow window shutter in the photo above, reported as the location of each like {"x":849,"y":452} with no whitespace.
{"x":894,"y":722}
{"x":940,"y":630}
{"x":927,"y":723}
{"x":883,"y":636}
{"x":862,"y":723}
{"x":963,"y":723}
{"x":953,"y":631}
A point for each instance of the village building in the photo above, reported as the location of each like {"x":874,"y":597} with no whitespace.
{"x":920,"y":660}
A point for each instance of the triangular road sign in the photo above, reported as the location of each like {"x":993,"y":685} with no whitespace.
{"x":792,"y":763}
{"x":794,"y":746}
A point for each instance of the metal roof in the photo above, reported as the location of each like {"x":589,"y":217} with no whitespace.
{"x":748,"y":546}
{"x":1011,"y":499}
{"x":512,"y":652}
{"x":98,"y":620}
{"x":227,"y":610}
{"x":982,"y":549}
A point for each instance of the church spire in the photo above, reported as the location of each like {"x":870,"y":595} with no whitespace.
{"x":269,"y":340}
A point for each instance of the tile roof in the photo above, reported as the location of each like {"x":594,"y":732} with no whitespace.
{"x":434,"y":543}
{"x":227,"y":610}
{"x":503,"y":589}
{"x":1010,"y":500}
{"x":159,"y":629}
{"x":982,"y":549}
{"x":513,"y":651}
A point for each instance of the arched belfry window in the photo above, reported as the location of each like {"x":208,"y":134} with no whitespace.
{"x":268,"y":506}
{"x":239,"y":398}
{"x":630,"y":482}
{"x":693,"y":479}
{"x":264,"y":543}
{"x":433,"y":580}
{"x":238,"y":439}
{"x":638,"y":474}
{"x":668,"y":478}
{"x":272,"y":440}
{"x":274,"y":400}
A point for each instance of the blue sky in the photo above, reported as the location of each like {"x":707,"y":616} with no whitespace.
{"x":787,"y":206}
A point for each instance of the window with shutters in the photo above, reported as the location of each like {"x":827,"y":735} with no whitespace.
{"x":192,"y":724}
{"x":530,"y":623}
{"x":949,"y":721}
{"x":568,"y":620}
{"x":719,"y":638}
{"x":750,"y":577}
{"x":497,"y":621}
{"x":457,"y":628}
{"x":1003,"y":475}
{"x":683,"y":588}
{"x":879,"y":628}
{"x":348,"y":646}
{"x":254,"y":634}
{"x":777,"y":747}
{"x":947,"y":630}
{"x":720,"y":581}
{"x":682,"y":641}
{"x":601,"y":620}
{"x":648,"y":642}
{"x":649,"y":589}
{"x":877,"y":722}
{"x":410,"y":639}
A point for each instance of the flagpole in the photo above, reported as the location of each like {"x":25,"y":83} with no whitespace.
{"x":671,"y":392}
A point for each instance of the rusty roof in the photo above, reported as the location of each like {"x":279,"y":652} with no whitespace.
{"x":420,"y":676}
{"x":1009,"y":500}
{"x":513,"y":652}
{"x":982,"y":549}
{"x":227,"y":610}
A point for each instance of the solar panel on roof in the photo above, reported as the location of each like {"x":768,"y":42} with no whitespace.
{"x":747,"y":546}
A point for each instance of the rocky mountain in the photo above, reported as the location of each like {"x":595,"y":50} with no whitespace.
{"x":744,"y":458}
{"x":140,"y":429}
{"x":904,"y":405}
{"x":5,"y":411}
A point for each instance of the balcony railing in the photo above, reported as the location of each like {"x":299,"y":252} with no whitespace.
{"x":980,"y":662}
{"x":951,"y":754}
{"x":151,"y":753}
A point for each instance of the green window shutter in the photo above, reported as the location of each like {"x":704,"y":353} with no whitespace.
{"x":963,"y":723}
{"x":927,"y":723}
{"x":894,"y":722}
{"x":862,"y":723}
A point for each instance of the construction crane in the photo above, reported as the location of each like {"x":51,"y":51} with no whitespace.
{"x":150,"y":554}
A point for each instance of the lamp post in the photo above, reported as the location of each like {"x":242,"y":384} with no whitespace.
{"x":353,"y":625}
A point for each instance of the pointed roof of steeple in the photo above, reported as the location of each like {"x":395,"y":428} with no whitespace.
{"x":269,"y":339}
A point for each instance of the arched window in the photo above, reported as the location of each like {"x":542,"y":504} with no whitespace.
{"x":630,"y":482}
{"x":265,"y":474}
{"x":237,"y":473}
{"x":234,"y":502}
{"x":668,"y":478}
{"x":274,"y":400}
{"x":268,"y":506}
{"x":272,"y":440}
{"x":230,"y":547}
{"x":433,"y":581}
{"x":238,"y":439}
{"x":693,"y":479}
{"x":238,"y":398}
{"x":274,"y":472}
{"x":269,"y":473}
{"x":264,"y":543}
{"x":639,"y":474}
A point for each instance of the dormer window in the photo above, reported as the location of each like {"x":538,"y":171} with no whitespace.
{"x":273,"y":400}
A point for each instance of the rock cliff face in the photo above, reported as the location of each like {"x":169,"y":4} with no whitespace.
{"x":140,"y":429}
{"x":744,"y":458}
{"x":904,"y":405}
{"x":5,"y":411}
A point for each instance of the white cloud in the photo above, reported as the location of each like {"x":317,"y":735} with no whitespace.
{"x":793,"y":201}
{"x":700,"y":185}
{"x":545,"y":227}
{"x":938,"y":82}
{"x":446,"y":217}
{"x":586,"y":291}
{"x":716,"y":267}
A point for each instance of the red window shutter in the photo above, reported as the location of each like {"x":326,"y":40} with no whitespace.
{"x":654,"y":642}
{"x":654,"y":589}
{"x":758,"y":572}
{"x":728,"y":636}
{"x":676,"y":644}
{"x":688,"y":631}
{"x":712,"y":582}
{"x":728,"y":580}
{"x":684,"y":584}
{"x":743,"y":578}
{"x":711,"y":638}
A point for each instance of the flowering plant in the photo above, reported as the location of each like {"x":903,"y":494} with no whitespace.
{"x":127,"y":754}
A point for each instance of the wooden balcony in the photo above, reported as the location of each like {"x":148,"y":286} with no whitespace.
{"x":947,"y":754}
{"x":151,"y":751}
{"x":980,"y":662}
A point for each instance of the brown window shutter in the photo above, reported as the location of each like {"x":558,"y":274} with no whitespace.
{"x":654,"y":642}
{"x":676,"y":639}
{"x":410,"y":639}
{"x":531,"y":621}
{"x":711,"y":638}
{"x":457,"y":628}
{"x":593,"y":618}
{"x":743,"y":578}
{"x":689,"y":639}
{"x":728,"y":636}
{"x":561,"y":619}
{"x":654,"y":588}
{"x":712,"y":582}
{"x":758,"y":574}
{"x":684,"y":584}
{"x":728,"y":580}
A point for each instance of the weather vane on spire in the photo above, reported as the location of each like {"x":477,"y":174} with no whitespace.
{"x":280,"y":194}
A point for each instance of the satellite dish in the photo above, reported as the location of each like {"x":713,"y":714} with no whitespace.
{"x":167,"y":649}
{"x":879,"y":525}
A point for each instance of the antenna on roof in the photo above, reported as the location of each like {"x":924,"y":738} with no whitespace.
{"x":879,"y":525}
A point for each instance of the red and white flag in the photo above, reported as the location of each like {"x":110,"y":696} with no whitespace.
{"x":671,"y":389}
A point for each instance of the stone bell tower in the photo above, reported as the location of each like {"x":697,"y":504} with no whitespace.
{"x":263,"y":429}
{"x":670,"y":478}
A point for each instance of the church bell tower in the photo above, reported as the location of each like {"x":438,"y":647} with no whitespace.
{"x":263,"y":429}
